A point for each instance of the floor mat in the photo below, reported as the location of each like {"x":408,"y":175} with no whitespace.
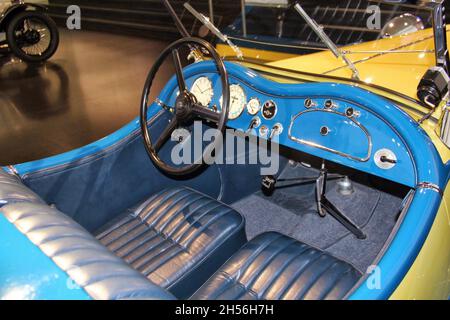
{"x":292,"y":211}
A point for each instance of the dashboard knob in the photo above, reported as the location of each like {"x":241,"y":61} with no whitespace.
{"x":324,"y":130}
{"x":263,"y":131}
{"x":385,"y":159}
{"x":255,"y":123}
{"x":329,"y":104}
{"x":309,"y":103}
{"x":349,"y":112}
{"x":276,"y":130}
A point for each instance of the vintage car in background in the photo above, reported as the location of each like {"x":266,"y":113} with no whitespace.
{"x":28,"y":32}
{"x":358,"y":208}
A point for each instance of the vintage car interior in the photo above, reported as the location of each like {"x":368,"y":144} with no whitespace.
{"x":346,"y":179}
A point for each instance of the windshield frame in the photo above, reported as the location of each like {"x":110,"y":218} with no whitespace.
{"x":436,"y":10}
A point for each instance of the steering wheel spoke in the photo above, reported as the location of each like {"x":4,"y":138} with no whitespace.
{"x":179,"y":70}
{"x":205,"y":113}
{"x":166,"y":134}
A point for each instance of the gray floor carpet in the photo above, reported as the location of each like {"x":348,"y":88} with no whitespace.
{"x":292,"y":211}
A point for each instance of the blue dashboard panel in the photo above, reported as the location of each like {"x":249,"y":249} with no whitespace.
{"x":331,"y":130}
{"x":329,"y":121}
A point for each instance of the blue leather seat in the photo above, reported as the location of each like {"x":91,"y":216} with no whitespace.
{"x":275,"y":267}
{"x":177,"y":239}
{"x":12,"y":190}
{"x":89,"y":264}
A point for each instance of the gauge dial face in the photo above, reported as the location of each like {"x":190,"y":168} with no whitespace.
{"x":253,"y":106}
{"x":238,"y":100}
{"x":203,"y":90}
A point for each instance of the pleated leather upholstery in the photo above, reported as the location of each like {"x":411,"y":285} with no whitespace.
{"x":93,"y":267}
{"x":178,"y":238}
{"x":275,"y":267}
{"x":12,"y":190}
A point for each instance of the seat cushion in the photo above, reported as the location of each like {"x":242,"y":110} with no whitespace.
{"x":178,"y":238}
{"x":275,"y":267}
{"x":12,"y":190}
{"x":88,"y":263}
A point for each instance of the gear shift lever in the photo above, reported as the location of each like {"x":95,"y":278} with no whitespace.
{"x":324,"y":206}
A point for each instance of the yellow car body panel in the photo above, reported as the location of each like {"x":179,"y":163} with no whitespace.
{"x":257,"y":54}
{"x":400,"y":72}
{"x":429,"y":276}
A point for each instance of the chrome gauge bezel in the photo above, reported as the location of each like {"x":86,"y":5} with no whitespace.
{"x":259,"y":106}
{"x":242,"y":107}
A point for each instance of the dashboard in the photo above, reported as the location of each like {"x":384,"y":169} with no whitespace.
{"x":336,"y":122}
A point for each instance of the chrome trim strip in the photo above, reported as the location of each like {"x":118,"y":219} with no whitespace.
{"x":13,"y":170}
{"x":316,"y":145}
{"x":431,"y":186}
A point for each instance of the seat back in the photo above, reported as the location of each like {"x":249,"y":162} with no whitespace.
{"x":86,"y":261}
{"x":12,"y":190}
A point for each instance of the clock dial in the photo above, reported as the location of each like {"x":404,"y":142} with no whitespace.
{"x":203,"y":91}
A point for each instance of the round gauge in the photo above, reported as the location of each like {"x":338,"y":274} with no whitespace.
{"x":203,"y":90}
{"x":238,"y":101}
{"x":269,"y":110}
{"x":253,"y":106}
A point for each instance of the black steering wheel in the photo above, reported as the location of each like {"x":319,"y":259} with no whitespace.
{"x":186,"y":108}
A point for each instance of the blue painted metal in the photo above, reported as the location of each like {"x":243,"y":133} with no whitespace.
{"x":343,"y":134}
{"x":27,"y":273}
{"x":390,"y":127}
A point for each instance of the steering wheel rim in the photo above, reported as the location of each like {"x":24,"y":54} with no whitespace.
{"x":184,"y":98}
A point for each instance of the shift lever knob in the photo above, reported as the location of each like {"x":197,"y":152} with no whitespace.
{"x":268,"y":185}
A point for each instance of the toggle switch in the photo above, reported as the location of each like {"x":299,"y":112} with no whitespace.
{"x":277,"y":129}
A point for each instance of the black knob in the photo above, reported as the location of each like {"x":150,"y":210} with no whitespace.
{"x":329,"y":104}
{"x":349,"y":112}
{"x":309,"y":103}
{"x":386,"y":159}
{"x":324,"y":130}
{"x":268,"y":185}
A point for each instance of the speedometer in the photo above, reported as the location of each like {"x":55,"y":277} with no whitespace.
{"x":238,"y":100}
{"x":203,"y":90}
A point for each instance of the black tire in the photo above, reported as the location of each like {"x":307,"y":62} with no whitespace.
{"x":17,"y":50}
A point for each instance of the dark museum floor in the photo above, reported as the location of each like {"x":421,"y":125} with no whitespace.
{"x":89,"y":89}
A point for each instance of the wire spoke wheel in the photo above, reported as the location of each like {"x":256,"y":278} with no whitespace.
{"x":32,"y":36}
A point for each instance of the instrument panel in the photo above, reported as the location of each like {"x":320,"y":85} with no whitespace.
{"x":334,"y":128}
